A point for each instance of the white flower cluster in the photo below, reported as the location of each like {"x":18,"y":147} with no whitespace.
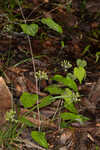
{"x":10,"y":116}
{"x":41,"y":75}
{"x":66,"y":65}
{"x":75,"y":97}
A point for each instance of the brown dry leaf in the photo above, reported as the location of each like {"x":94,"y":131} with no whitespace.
{"x":5,"y":100}
{"x":66,"y":135}
{"x":43,"y":123}
{"x":32,"y":88}
{"x":17,"y":69}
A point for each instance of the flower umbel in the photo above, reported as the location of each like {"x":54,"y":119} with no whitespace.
{"x":10,"y":116}
{"x":75,"y":97}
{"x":41,"y":75}
{"x":66,"y":65}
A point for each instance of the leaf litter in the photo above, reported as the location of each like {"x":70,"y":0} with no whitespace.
{"x":80,"y":29}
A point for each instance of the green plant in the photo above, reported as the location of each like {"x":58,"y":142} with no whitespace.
{"x":10,"y":132}
{"x":66,"y":89}
{"x":70,"y":94}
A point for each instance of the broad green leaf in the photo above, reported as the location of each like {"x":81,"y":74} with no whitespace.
{"x":70,"y":83}
{"x":31,"y":29}
{"x":39,"y":137}
{"x":46,"y":101}
{"x":79,"y":73}
{"x":81,"y":63}
{"x":28,"y":100}
{"x":69,"y":99}
{"x":70,"y":107}
{"x":54,"y":89}
{"x":66,"y":81}
{"x":52,"y":24}
{"x":58,"y":78}
{"x":73,"y":117}
{"x":26,"y":121}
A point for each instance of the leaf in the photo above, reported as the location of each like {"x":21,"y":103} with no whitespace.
{"x":52,"y":24}
{"x":26,"y":121}
{"x":68,"y":94}
{"x":31,"y":29}
{"x":46,"y":101}
{"x":79,"y":73}
{"x":70,"y":107}
{"x":28,"y":100}
{"x":54,"y":89}
{"x":69,"y":101}
{"x":58,"y":78}
{"x":39,"y":137}
{"x":73,"y":117}
{"x":70,"y":83}
{"x":66,"y":81}
{"x":71,"y":76}
{"x":81,"y":63}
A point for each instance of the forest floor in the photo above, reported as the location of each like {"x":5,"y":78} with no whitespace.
{"x":22,"y":55}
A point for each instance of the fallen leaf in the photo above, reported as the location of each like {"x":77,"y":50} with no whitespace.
{"x":5,"y":100}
